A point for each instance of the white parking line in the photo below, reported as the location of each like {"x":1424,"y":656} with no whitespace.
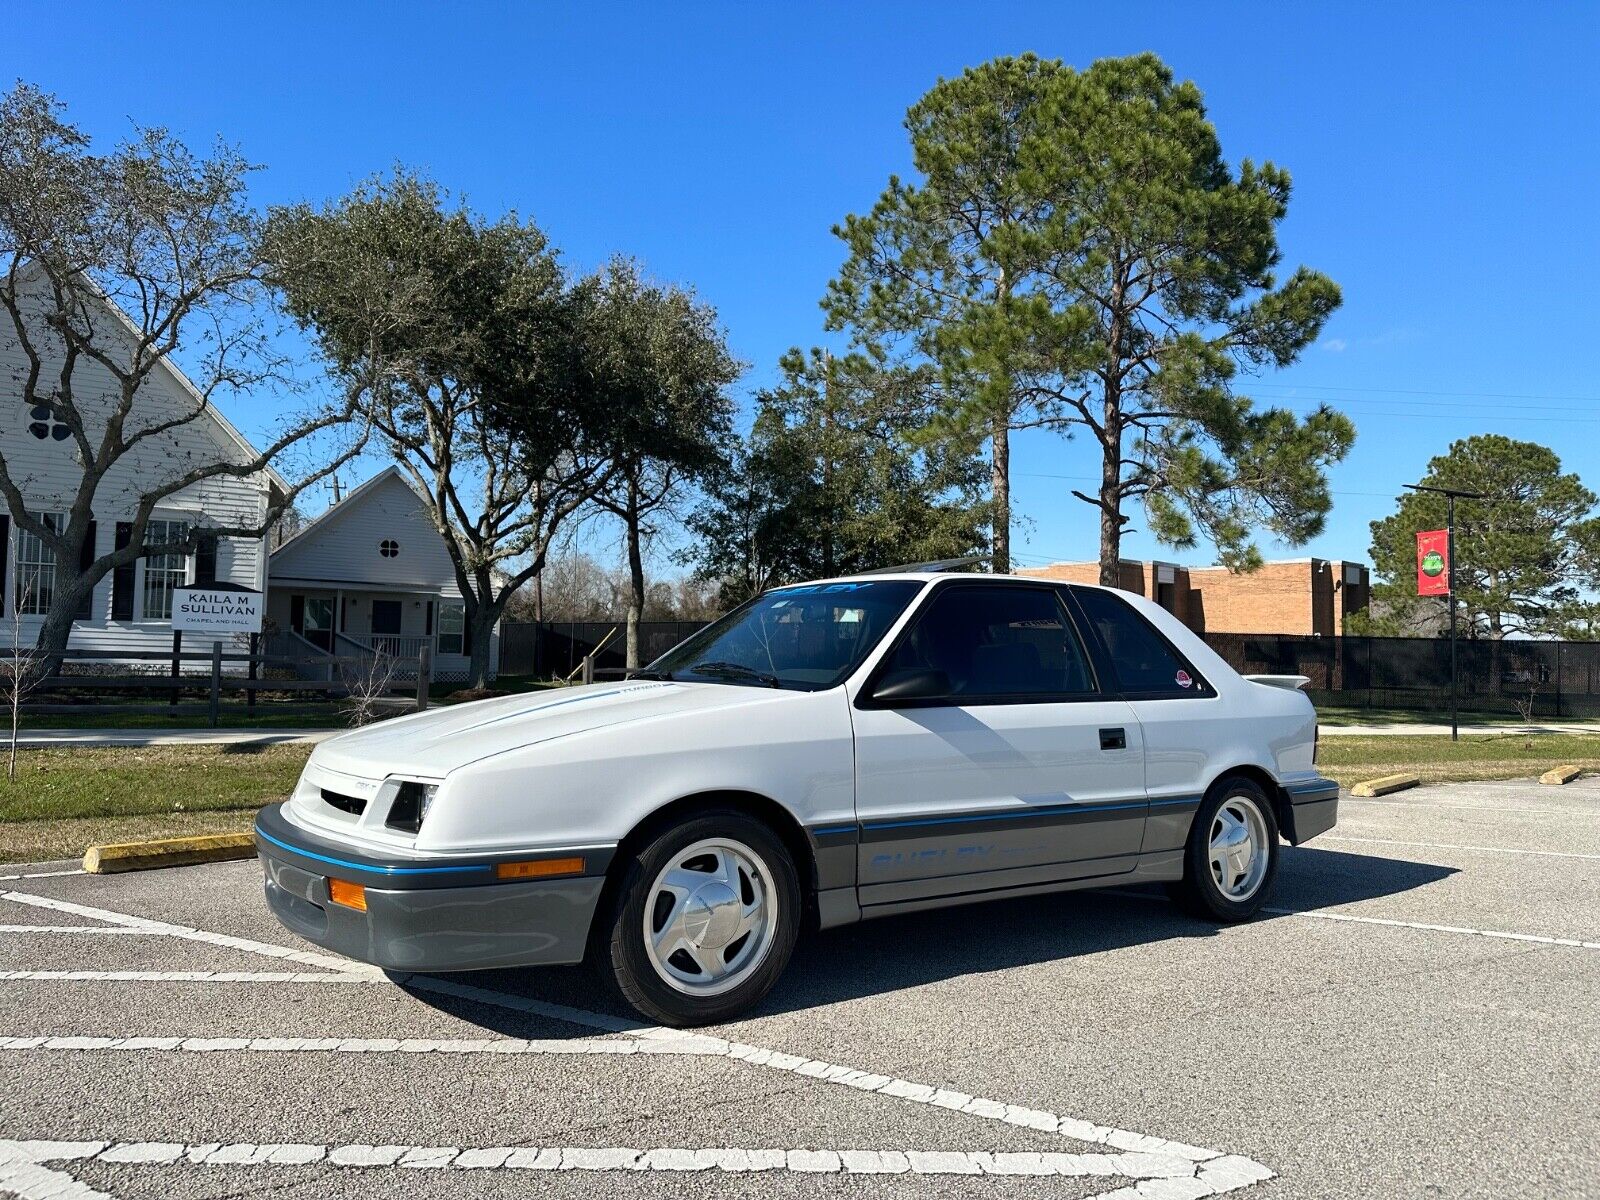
{"x":187,"y":933}
{"x":1339,"y":837}
{"x":1206,"y":1179}
{"x":88,"y":976}
{"x":1438,"y":806}
{"x":1536,"y":938}
{"x":45,"y":874}
{"x":1209,"y":1171}
{"x":32,"y":1182}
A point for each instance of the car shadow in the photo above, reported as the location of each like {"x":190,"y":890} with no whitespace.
{"x":889,"y":955}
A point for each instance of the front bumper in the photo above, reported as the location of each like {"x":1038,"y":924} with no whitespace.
{"x":426,"y":915}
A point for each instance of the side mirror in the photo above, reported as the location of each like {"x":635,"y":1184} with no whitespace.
{"x":899,"y":686}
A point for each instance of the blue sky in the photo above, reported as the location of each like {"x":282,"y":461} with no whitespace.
{"x":1444,"y":159}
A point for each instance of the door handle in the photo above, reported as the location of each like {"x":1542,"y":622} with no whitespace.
{"x":1113,"y":739}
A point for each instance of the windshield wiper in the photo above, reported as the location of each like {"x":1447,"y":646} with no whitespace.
{"x":643,"y":674}
{"x":733,"y":670}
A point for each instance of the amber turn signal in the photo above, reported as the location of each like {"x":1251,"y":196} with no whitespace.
{"x":540,"y":869}
{"x":351,"y":895}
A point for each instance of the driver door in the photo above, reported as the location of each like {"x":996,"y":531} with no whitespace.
{"x":1022,"y":772}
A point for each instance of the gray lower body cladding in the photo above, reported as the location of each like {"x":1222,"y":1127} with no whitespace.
{"x":1313,"y":808}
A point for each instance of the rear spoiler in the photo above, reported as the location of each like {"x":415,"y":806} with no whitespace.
{"x":1289,"y":683}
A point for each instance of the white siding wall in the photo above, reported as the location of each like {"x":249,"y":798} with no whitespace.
{"x":344,"y":546}
{"x":342,"y":552}
{"x":48,"y":472}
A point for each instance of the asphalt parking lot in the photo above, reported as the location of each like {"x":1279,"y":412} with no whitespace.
{"x":1419,"y":1015}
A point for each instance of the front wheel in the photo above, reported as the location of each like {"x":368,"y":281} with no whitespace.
{"x":705,"y":920}
{"x":1232,"y":855}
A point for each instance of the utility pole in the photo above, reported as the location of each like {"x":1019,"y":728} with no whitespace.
{"x":1450,"y":495}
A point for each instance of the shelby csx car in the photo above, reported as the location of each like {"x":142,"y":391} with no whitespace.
{"x":829,"y":752}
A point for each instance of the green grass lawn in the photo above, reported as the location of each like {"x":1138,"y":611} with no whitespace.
{"x":1435,"y":758}
{"x":65,"y":800}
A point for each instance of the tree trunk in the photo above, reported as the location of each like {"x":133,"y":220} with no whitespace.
{"x":635,"y":577}
{"x":56,"y":627}
{"x":480,"y":629}
{"x":538,"y":596}
{"x":1000,"y":491}
{"x":1111,"y":493}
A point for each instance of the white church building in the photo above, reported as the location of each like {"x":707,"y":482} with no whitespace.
{"x":371,"y":573}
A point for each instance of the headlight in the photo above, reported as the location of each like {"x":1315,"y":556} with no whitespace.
{"x":410,"y":805}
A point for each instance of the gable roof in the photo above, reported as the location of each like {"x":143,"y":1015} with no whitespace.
{"x":353,"y":499}
{"x":355,"y":496}
{"x":178,"y":379}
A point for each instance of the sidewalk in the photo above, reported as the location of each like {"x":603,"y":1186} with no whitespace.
{"x":172,"y":737}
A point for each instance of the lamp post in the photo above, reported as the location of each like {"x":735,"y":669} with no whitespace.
{"x":1450,"y":495}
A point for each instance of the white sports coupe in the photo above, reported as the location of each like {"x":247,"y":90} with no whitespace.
{"x":828,"y":752}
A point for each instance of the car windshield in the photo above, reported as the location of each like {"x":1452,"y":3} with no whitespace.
{"x":808,"y":637}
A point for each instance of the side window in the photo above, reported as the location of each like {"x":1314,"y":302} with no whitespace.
{"x":452,"y":628}
{"x":996,"y":642}
{"x":1145,"y":664}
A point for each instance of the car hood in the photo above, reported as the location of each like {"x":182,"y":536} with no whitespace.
{"x":434,"y":743}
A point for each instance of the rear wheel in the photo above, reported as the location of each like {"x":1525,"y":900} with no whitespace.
{"x":704,"y":921}
{"x":1232,"y":855}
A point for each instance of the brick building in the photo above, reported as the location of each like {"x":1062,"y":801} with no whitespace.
{"x":1300,"y":595}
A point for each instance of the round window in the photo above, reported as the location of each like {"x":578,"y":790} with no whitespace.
{"x":44,"y":424}
{"x":388,"y":547}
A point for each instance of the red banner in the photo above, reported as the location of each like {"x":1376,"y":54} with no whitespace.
{"x":1433,"y":563}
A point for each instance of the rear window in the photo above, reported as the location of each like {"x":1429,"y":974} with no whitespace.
{"x":1145,"y":662}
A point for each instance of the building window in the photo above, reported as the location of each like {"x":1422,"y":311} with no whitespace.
{"x":452,"y":628}
{"x":43,"y":424}
{"x":163,"y":572}
{"x":389,"y":548}
{"x":36,"y":569}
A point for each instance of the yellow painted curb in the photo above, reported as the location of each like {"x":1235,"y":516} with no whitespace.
{"x":1385,"y":785}
{"x":1560,"y":775}
{"x":173,"y":852}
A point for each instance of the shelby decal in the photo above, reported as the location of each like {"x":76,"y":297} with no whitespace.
{"x":908,"y":858}
{"x":824,"y":589}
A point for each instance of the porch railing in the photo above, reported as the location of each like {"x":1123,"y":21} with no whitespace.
{"x":395,"y":645}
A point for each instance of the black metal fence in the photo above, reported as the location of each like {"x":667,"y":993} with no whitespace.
{"x":1548,"y":679}
{"x":551,"y":648}
{"x":192,"y":683}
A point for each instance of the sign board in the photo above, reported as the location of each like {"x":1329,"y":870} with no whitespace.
{"x":216,"y":612}
{"x":1433,"y":562}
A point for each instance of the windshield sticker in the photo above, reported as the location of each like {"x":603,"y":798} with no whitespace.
{"x":810,"y":589}
{"x":1183,"y":679}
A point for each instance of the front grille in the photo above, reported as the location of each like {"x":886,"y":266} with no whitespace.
{"x":354,"y":805}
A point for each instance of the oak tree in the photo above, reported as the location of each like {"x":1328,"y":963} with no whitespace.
{"x":443,"y":323}
{"x":113,"y":266}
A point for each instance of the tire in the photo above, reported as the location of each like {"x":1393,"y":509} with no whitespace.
{"x":1236,"y":820}
{"x":682,"y":950}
